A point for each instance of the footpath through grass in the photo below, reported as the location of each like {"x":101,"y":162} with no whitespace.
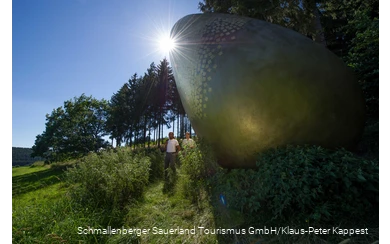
{"x":161,"y":212}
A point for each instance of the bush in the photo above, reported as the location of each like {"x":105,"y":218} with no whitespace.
{"x":297,"y":184}
{"x":197,"y":165}
{"x":109,"y":180}
{"x":192,"y":170}
{"x":157,"y":164}
{"x":369,"y":144}
{"x":322,"y":184}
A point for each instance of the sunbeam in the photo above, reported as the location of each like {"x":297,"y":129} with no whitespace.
{"x":166,"y":44}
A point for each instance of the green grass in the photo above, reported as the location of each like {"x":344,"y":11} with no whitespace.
{"x":17,"y":171}
{"x":36,"y":194}
{"x":44,"y":212}
{"x":168,"y":211}
{"x":27,"y":179}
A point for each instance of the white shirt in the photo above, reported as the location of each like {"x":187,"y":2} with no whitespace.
{"x":171,"y":146}
{"x":188,"y":143}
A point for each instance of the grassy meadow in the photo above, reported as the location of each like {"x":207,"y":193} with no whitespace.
{"x":79,"y":201}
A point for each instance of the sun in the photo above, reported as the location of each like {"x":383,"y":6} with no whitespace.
{"x":166,"y":44}
{"x":159,"y":39}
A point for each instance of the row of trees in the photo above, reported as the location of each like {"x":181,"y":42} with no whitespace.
{"x":137,"y":112}
{"x":145,"y":105}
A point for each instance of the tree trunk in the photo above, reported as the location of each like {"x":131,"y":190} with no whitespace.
{"x":158,"y":133}
{"x":187,"y":124}
{"x":149,"y":135}
{"x":154,"y":136}
{"x":190,"y":128}
{"x":129,"y":137}
{"x":173,"y":122}
{"x":161,"y":131}
{"x":182,"y":125}
{"x":135,"y":139}
{"x":145,"y":131}
{"x":178,"y":122}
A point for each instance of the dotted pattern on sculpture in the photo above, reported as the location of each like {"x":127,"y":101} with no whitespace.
{"x":215,"y":36}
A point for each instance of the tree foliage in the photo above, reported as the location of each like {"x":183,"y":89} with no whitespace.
{"x":73,"y":130}
{"x":300,"y":15}
{"x":363,"y":54}
{"x":144,"y":104}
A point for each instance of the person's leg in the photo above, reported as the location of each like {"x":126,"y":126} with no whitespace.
{"x":166,"y":164}
{"x":173,"y":162}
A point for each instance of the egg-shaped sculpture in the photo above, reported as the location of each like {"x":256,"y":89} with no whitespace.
{"x":248,"y":85}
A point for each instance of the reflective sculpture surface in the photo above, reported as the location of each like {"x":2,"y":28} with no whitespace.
{"x":249,"y":85}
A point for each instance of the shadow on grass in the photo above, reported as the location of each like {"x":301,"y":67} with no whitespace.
{"x":170,"y":181}
{"x":22,"y":184}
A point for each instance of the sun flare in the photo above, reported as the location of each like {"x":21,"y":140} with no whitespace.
{"x":166,"y":44}
{"x":161,"y":43}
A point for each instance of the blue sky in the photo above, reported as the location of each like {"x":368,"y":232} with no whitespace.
{"x":63,"y":48}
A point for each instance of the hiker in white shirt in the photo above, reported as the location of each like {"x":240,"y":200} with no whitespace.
{"x":171,"y":147}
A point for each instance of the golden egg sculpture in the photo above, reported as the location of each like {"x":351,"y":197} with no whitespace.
{"x":248,"y":85}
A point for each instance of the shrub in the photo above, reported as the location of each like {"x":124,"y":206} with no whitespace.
{"x":157,"y":164}
{"x":109,"y":180}
{"x":192,"y":170}
{"x":197,"y":165}
{"x":369,"y":144}
{"x":304,"y":183}
{"x":320,"y":183}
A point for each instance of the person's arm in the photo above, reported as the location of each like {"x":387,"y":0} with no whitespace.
{"x":165,"y":145}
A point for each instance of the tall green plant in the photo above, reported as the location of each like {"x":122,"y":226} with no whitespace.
{"x":197,"y":165}
{"x":295,"y":184}
{"x":110,"y":180}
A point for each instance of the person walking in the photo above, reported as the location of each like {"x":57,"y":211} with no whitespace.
{"x":171,"y":148}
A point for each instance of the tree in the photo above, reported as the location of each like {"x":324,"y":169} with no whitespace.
{"x":164,"y":86}
{"x":300,"y":15}
{"x":144,"y":104}
{"x":363,"y":52}
{"x":117,"y":115}
{"x":73,"y":130}
{"x":150,"y":102}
